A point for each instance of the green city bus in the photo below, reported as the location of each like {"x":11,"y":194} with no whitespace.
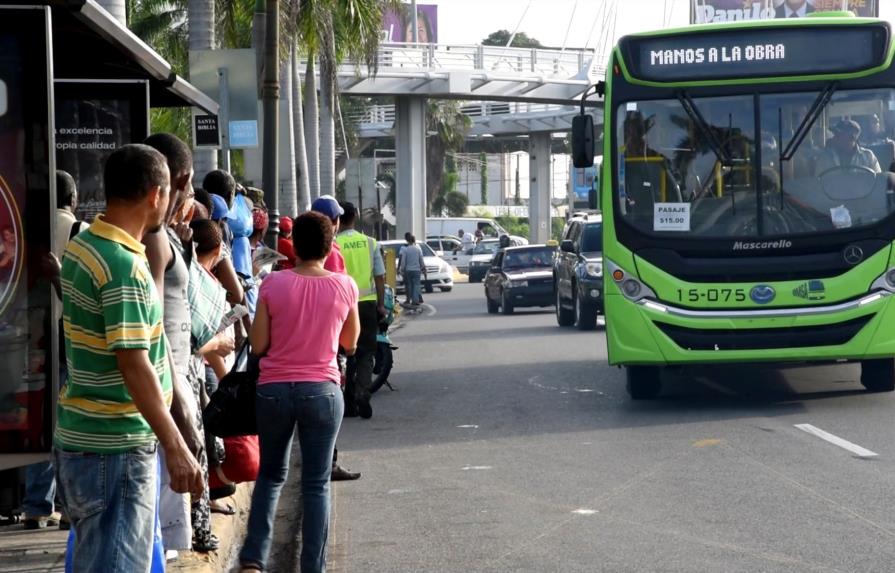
{"x":748,"y":196}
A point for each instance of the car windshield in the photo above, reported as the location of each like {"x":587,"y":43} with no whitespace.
{"x":427,"y":250}
{"x":527,"y":258}
{"x":819,"y":162}
{"x":592,"y":238}
{"x":486,"y":248}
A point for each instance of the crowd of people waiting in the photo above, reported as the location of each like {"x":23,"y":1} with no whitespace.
{"x":161,"y":299}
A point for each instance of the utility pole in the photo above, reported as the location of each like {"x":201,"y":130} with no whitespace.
{"x":270,"y":100}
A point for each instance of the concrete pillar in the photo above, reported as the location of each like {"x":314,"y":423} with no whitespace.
{"x":410,"y":146}
{"x":540,"y":190}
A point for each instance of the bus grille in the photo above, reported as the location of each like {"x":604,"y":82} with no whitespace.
{"x":764,"y":338}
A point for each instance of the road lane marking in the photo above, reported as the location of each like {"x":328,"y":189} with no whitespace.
{"x":467,"y":468}
{"x":706,"y":443}
{"x":837,"y":441}
{"x":583,"y":511}
{"x":473,"y":426}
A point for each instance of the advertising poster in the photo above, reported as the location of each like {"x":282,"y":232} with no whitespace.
{"x":398,"y":24}
{"x":709,"y":11}
{"x":26,"y":342}
{"x":93,"y":119}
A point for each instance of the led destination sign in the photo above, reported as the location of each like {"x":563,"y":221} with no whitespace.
{"x":756,"y":53}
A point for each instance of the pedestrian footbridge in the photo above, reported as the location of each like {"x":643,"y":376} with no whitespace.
{"x":510,"y":91}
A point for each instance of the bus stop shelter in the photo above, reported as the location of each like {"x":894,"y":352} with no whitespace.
{"x":74,"y":85}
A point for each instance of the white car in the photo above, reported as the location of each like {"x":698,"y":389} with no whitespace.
{"x":439,"y":274}
{"x":450,"y":249}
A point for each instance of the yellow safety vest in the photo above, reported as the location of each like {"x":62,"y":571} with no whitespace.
{"x":358,"y":251}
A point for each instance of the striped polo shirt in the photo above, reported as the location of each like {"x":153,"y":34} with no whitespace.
{"x":109,"y":303}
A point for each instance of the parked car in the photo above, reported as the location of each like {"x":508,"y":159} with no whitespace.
{"x":520,"y":276}
{"x":578,"y":273}
{"x":440,"y":274}
{"x":450,"y":249}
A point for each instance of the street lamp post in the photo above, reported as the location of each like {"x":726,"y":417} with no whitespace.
{"x":416,"y":30}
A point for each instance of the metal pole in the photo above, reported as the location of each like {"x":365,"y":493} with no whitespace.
{"x":416,"y":30}
{"x":270,"y":98}
{"x":224,"y":116}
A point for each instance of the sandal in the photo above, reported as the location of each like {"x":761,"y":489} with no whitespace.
{"x":223,"y":509}
{"x":212,"y":543}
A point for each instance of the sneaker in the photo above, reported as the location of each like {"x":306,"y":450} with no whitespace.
{"x":32,"y":522}
{"x":364,"y":409}
{"x":341,"y":474}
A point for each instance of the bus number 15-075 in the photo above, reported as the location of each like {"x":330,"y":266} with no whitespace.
{"x":712,"y":295}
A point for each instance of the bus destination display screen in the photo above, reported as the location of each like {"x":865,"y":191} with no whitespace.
{"x":764,"y":52}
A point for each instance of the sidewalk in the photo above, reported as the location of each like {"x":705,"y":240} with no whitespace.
{"x":43,"y":551}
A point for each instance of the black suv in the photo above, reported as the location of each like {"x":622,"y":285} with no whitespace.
{"x":578,"y":273}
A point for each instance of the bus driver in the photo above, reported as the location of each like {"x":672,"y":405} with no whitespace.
{"x":843,"y":149}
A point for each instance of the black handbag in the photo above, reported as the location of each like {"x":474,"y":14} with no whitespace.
{"x":231,"y":408}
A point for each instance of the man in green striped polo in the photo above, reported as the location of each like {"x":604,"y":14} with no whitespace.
{"x":114,"y":411}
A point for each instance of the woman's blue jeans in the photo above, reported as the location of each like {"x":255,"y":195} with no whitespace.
{"x":316,"y":409}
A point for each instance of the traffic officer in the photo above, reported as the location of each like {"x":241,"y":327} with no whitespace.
{"x":363,"y":262}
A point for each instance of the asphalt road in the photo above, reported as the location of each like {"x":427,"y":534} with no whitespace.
{"x":511,"y":445}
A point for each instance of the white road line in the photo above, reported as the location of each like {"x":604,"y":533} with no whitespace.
{"x":837,"y":441}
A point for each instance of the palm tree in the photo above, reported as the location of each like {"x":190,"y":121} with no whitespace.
{"x":298,"y":135}
{"x":201,"y":24}
{"x":449,"y":128}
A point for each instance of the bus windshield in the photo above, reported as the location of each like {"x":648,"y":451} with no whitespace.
{"x":744,"y":166}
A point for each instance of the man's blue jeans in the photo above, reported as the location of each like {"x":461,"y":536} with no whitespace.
{"x":412,"y":284}
{"x":110,"y":500}
{"x":316,"y":409}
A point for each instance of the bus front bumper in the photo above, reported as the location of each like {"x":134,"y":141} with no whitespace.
{"x":651,"y":332}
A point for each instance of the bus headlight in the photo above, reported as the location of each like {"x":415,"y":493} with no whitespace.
{"x":631,"y":288}
{"x":628,"y":283}
{"x":890,"y":278}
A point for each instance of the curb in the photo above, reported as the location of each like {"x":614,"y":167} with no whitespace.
{"x":230,"y":529}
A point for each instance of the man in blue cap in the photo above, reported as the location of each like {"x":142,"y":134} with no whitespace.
{"x":327,"y":206}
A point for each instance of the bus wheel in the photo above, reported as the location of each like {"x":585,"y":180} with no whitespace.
{"x":564,"y":316}
{"x":644,"y":382}
{"x":878,"y":375}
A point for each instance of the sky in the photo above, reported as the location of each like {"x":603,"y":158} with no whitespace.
{"x":470,"y":21}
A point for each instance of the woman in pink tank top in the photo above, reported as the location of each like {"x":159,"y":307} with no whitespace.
{"x":304,"y":314}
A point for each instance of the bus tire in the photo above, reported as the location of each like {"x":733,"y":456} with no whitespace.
{"x":643,"y":382}
{"x":564,"y":316}
{"x":878,"y":375}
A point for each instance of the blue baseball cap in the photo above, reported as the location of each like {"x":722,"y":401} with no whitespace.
{"x":327,"y":205}
{"x":219,"y":208}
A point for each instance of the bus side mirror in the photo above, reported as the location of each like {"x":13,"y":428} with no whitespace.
{"x":583,"y":143}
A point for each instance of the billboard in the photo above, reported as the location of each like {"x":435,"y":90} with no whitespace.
{"x":397,"y":24}
{"x":93,"y":119}
{"x":27,"y":346}
{"x":710,"y":11}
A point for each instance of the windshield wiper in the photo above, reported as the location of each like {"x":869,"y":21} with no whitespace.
{"x":823,"y":98}
{"x":696,"y":117}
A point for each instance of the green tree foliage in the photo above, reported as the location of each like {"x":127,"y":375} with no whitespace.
{"x":448,"y":128}
{"x":520,"y":226}
{"x":501,"y":37}
{"x":455,"y":204}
